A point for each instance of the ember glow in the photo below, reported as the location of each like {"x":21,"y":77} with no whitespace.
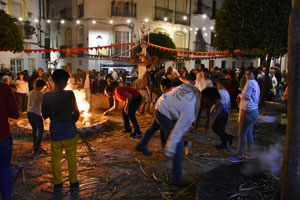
{"x":83,"y":105}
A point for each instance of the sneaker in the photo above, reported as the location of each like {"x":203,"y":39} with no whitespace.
{"x":58,"y":187}
{"x":136,"y":135}
{"x":221,"y":146}
{"x":74,"y":186}
{"x":144,"y":150}
{"x":179,"y":182}
{"x":235,"y":159}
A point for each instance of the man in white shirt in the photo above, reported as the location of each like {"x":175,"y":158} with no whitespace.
{"x":175,"y":111}
{"x":115,"y":75}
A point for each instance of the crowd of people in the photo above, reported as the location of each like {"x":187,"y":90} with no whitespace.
{"x":177,"y":101}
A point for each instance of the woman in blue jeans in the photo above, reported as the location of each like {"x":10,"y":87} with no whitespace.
{"x":248,"y":104}
{"x":9,"y":109}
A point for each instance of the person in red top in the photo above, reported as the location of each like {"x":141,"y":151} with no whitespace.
{"x":132,"y":99}
{"x":8,"y":109}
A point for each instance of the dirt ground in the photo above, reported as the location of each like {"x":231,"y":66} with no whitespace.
{"x":110,"y":168}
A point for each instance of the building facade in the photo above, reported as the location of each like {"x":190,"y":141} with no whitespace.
{"x":29,"y":17}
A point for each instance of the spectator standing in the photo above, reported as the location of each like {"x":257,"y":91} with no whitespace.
{"x":49,"y":84}
{"x":87,"y":85}
{"x":115,"y":74}
{"x":123,"y":75}
{"x":79,"y":78}
{"x":22,"y":92}
{"x":60,"y":106}
{"x":146,"y":89}
{"x":248,"y":104}
{"x":34,"y":77}
{"x":110,"y":82}
{"x":34,"y":115}
{"x":221,"y":116}
{"x":9,"y":109}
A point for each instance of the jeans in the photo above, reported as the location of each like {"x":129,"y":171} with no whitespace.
{"x":21,"y":101}
{"x":70,"y":147}
{"x":5,"y":174}
{"x":165,"y":125}
{"x":36,"y":122}
{"x":246,"y":122}
{"x":133,"y":106}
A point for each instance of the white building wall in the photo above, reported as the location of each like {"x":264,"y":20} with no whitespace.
{"x":17,"y":11}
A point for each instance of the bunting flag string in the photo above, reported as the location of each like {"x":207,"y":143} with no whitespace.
{"x":199,"y":53}
{"x":77,"y":49}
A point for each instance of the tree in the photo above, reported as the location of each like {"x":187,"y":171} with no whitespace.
{"x":255,"y":27}
{"x":11,"y":36}
{"x":290,"y":173}
{"x":160,"y":39}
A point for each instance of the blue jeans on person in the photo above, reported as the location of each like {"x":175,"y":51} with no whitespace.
{"x":5,"y":174}
{"x":246,"y":122}
{"x":133,"y":106}
{"x":219,"y":124}
{"x":36,"y":122}
{"x":207,"y":116}
{"x":165,"y":125}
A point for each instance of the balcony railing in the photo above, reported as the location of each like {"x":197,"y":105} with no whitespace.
{"x":204,"y":9}
{"x":200,"y":46}
{"x":66,"y":13}
{"x":124,"y":9}
{"x":80,"y":10}
{"x":62,"y":53}
{"x":182,"y":18}
{"x":161,"y":13}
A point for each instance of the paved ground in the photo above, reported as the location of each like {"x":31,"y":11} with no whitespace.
{"x":109,"y":167}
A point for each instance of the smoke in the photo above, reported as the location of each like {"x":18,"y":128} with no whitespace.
{"x":266,"y":160}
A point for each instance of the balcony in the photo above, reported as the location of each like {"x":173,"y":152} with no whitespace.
{"x":123,"y":9}
{"x":66,"y":13}
{"x":204,"y":47}
{"x":62,"y":53}
{"x":182,"y":18}
{"x":80,"y":10}
{"x":204,"y":9}
{"x":161,"y":13}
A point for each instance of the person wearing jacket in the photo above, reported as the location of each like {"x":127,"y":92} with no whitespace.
{"x":9,"y":109}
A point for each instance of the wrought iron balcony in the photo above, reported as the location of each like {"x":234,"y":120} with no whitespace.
{"x":182,"y":18}
{"x":66,"y":13}
{"x":205,"y":47}
{"x":162,"y":13}
{"x":124,"y":9}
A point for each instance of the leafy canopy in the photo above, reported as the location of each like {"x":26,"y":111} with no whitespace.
{"x":253,"y":26}
{"x":160,"y":39}
{"x":11,"y":36}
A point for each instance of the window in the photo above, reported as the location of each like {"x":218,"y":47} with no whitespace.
{"x":122,"y":35}
{"x":31,"y":65}
{"x":80,"y":8}
{"x":233,"y":65}
{"x":179,"y":40}
{"x":223,"y":65}
{"x":80,"y":35}
{"x":16,"y":66}
{"x":68,"y":38}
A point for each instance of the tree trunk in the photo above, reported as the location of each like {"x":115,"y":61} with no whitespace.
{"x":265,"y":88}
{"x":289,"y":185}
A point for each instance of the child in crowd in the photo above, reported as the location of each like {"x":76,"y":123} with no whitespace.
{"x":34,"y":114}
{"x":222,"y":114}
{"x":61,"y":107}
